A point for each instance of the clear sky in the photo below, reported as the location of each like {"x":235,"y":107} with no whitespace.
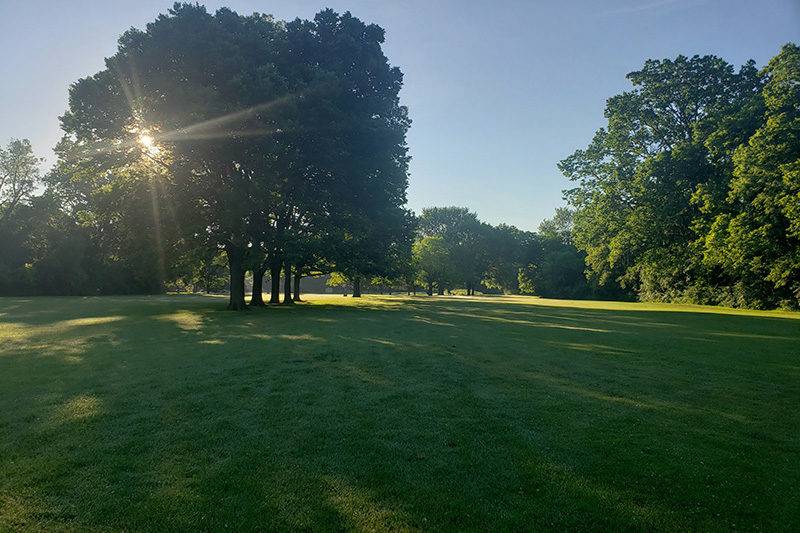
{"x":498,"y":91}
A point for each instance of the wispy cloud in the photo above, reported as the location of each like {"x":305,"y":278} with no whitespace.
{"x":642,"y":6}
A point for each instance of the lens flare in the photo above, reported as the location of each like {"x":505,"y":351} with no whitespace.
{"x":149,"y":144}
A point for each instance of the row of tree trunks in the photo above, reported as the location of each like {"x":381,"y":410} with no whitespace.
{"x":291,"y":291}
{"x":237,"y":268}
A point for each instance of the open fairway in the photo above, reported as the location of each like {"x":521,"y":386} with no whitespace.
{"x":168,"y":412}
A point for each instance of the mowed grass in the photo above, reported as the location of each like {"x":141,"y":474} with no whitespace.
{"x":492,"y":413}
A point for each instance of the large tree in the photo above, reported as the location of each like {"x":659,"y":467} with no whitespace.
{"x":194,"y":93}
{"x":636,"y":180}
{"x":263,"y":136}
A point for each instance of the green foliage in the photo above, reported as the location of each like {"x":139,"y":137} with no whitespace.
{"x":433,"y":263}
{"x":466,"y":239}
{"x":688,"y":194}
{"x":455,"y":247}
{"x":507,"y":250}
{"x":337,"y":279}
{"x":756,"y":235}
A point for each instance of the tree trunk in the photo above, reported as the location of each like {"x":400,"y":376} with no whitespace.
{"x":287,"y":284}
{"x":357,"y":287}
{"x":440,"y":289}
{"x":236,"y":267}
{"x":275,"y":285}
{"x":430,"y":289}
{"x":257,"y":298}
{"x":297,"y":278}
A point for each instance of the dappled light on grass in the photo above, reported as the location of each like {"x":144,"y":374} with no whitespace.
{"x":638,"y":403}
{"x":19,"y":332}
{"x":752,"y":336}
{"x":360,"y":510}
{"x":381,"y":341}
{"x":185,"y":320}
{"x":88,"y":321}
{"x":431,"y":321}
{"x":80,"y":407}
{"x":14,"y":332}
{"x":214,"y":342}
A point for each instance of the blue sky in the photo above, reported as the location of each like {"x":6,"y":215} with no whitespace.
{"x":498,"y":91}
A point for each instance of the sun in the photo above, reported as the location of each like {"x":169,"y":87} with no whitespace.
{"x":149,"y":144}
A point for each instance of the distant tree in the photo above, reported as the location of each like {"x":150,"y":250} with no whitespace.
{"x":557,"y":272}
{"x":466,"y":239}
{"x":559,"y":227}
{"x":374,"y":246}
{"x":432,"y":263}
{"x":507,"y":248}
{"x":19,"y":175}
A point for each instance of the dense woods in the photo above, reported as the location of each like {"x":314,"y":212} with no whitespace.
{"x":218,"y":146}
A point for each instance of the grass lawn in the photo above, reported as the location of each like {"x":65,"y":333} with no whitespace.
{"x":493,"y":413}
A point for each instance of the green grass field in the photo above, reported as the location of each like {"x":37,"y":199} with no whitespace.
{"x":491,"y":413}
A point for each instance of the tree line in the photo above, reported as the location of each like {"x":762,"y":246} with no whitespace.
{"x":448,"y":250}
{"x":455,"y":250}
{"x":214,"y":146}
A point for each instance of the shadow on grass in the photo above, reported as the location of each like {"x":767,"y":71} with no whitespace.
{"x":392,"y":413}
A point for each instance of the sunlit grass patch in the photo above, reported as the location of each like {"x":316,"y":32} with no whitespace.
{"x":185,"y":320}
{"x":79,"y":407}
